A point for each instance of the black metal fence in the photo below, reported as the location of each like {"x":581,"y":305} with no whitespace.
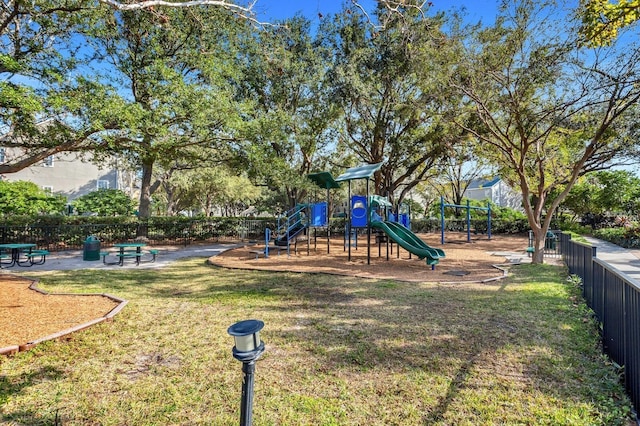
{"x":614,"y":298}
{"x":72,"y":237}
{"x":551,"y":244}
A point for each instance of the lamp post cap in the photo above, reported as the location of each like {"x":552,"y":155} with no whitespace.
{"x":245,"y":328}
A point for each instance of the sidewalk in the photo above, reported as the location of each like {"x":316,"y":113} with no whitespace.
{"x":624,"y":260}
{"x":71,"y":260}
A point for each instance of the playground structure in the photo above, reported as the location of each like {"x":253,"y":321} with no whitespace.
{"x":303,"y":217}
{"x":390,"y":230}
{"x":468,"y":207}
{"x":298,"y":220}
{"x":361,"y":214}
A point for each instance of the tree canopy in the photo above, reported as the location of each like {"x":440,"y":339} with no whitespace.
{"x":385,"y":83}
{"x":290,"y":128}
{"x":183,"y":91}
{"x":170,"y":73}
{"x":604,"y":192}
{"x":602,"y":19}
{"x":548,"y":110}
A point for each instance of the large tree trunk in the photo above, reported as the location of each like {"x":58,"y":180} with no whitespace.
{"x":539,"y":238}
{"x":534,"y":216}
{"x":145,"y":189}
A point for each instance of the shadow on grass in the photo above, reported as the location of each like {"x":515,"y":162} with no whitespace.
{"x":13,"y":385}
{"x":345,"y":324}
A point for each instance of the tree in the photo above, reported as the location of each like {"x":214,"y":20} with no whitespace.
{"x":151,"y":4}
{"x":547,"y":110}
{"x":604,"y":192}
{"x":26,"y":198}
{"x":39,"y":42}
{"x":205,"y":189}
{"x":172,"y":71}
{"x":457,"y":172}
{"x":292,"y":119}
{"x":384,"y":82}
{"x":44,"y":70}
{"x":602,"y":20}
{"x":104,"y":202}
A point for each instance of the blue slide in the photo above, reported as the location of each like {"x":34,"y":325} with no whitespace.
{"x":409,"y":241}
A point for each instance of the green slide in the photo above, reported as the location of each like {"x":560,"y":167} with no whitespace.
{"x":409,"y":241}
{"x":401,"y":230}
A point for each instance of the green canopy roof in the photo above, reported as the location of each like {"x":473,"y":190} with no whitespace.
{"x":377,"y":200}
{"x":361,"y":172}
{"x":323,"y":180}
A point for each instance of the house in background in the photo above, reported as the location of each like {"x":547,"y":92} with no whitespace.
{"x":70,"y":174}
{"x":495,"y":190}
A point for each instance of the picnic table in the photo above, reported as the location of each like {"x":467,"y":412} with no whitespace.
{"x":129,"y":250}
{"x":20,"y":249}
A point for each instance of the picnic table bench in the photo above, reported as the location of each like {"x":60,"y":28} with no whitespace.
{"x":129,"y":251}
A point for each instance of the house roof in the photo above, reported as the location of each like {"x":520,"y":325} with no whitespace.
{"x":483,"y":183}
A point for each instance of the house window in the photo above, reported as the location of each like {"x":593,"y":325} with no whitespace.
{"x":103,"y":184}
{"x":48,"y":189}
{"x":48,"y":162}
{"x":2,"y":155}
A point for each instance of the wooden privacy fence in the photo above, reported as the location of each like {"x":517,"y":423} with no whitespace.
{"x":614,"y":298}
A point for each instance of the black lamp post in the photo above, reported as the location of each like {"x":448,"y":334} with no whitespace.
{"x":248,"y":348}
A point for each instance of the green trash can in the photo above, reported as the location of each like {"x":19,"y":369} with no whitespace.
{"x":550,"y":241}
{"x":91,"y":248}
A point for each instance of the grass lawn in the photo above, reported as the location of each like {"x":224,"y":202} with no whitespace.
{"x":340,"y":351}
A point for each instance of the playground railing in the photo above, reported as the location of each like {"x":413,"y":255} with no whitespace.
{"x":291,"y":221}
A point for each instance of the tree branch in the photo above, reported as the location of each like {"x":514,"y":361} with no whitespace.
{"x":243,"y":11}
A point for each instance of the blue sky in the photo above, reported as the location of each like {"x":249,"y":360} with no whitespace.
{"x":269,"y":10}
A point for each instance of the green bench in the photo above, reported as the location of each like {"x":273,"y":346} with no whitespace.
{"x":104,"y":254}
{"x":129,"y":254}
{"x":33,"y":254}
{"x":153,"y":253}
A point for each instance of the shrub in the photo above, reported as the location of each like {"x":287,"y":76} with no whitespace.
{"x":105,"y":202}
{"x":624,"y":237}
{"x":26,"y":198}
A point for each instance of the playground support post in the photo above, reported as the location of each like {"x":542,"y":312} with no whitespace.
{"x":488,"y":220}
{"x":441,"y":219}
{"x":328,"y":222}
{"x":468,"y":207}
{"x":468,"y":221}
{"x":368,"y":210}
{"x":267,"y":238}
{"x":309,"y":213}
{"x":349,"y":221}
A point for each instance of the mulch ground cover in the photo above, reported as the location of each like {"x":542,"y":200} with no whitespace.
{"x":473,"y":261}
{"x":27,"y":314}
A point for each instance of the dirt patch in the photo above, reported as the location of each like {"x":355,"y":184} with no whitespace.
{"x":27,"y":315}
{"x":474,"y":261}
